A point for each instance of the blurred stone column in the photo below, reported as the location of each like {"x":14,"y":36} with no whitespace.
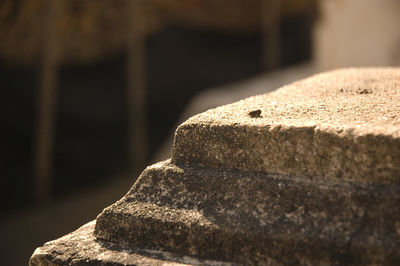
{"x":136,"y":78}
{"x":43,"y":158}
{"x":270,"y":18}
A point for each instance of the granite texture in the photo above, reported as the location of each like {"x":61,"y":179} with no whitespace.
{"x":306,"y":175}
{"x":341,"y":124}
{"x":251,"y":217}
{"x":82,"y":248}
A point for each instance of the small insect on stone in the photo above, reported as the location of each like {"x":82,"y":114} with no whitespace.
{"x":255,"y":114}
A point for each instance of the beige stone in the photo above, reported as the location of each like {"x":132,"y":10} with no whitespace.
{"x":305,"y":175}
{"x":82,"y":248}
{"x":342,"y":124}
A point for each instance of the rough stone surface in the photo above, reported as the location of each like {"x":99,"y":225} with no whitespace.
{"x":342,"y":124}
{"x":306,"y":175}
{"x":255,"y":217}
{"x":82,"y":248}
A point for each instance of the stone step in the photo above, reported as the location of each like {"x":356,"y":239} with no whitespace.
{"x":82,"y":248}
{"x":253,"y":217}
{"x":306,"y":175}
{"x":342,"y":124}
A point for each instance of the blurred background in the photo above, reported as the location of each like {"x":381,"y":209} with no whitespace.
{"x":93,"y":90}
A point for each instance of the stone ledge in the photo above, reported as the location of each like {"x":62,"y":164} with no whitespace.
{"x":82,"y":248}
{"x":342,"y":124}
{"x":254,"y":217}
{"x":307,"y":175}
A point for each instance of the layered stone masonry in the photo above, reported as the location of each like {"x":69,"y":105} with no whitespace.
{"x":342,"y":124}
{"x":308,"y":174}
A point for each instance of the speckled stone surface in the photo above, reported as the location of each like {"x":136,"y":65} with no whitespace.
{"x":342,"y":124}
{"x":82,"y":248}
{"x":306,"y":175}
{"x":252,"y":217}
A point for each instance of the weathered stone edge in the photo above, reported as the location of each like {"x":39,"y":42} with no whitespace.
{"x":82,"y":248}
{"x":307,"y":151}
{"x":311,"y":221}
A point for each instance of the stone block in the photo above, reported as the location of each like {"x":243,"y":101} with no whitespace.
{"x":252,"y":217}
{"x":342,"y":124}
{"x":82,"y":248}
{"x":305,"y":175}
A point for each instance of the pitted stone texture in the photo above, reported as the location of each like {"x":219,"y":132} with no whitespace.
{"x":341,"y":124}
{"x":82,"y":248}
{"x":307,"y":175}
{"x":256,"y":218}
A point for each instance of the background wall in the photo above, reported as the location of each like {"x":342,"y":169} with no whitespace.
{"x":92,"y":88}
{"x":93,"y":54}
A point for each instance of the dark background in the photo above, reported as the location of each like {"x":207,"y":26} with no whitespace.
{"x":91,"y":108}
{"x":90,"y":155}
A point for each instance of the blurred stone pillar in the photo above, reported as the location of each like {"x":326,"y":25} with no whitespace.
{"x":270,"y":18}
{"x":136,"y":78}
{"x":43,"y":158}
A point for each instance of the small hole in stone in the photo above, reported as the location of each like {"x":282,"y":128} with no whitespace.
{"x":255,"y":113}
